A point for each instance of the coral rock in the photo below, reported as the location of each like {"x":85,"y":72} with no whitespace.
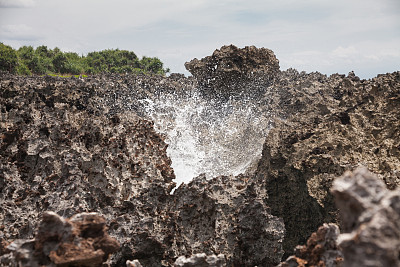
{"x":321,"y":249}
{"x":371,"y":220}
{"x":80,"y":241}
{"x":201,"y":260}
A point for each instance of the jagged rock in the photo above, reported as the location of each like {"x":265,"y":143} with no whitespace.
{"x":81,"y":240}
{"x":58,"y":156}
{"x":134,"y":263}
{"x":228,"y":67}
{"x":201,"y":260}
{"x":321,"y":249}
{"x":332,"y":124}
{"x":370,"y":216}
{"x":82,"y":145}
{"x":227,"y":215}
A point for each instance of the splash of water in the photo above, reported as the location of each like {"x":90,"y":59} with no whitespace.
{"x":209,"y":136}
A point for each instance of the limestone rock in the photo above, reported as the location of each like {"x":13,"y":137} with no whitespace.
{"x":227,"y":215}
{"x":228,"y":67}
{"x":84,"y":145}
{"x":134,"y":263}
{"x":370,"y":215}
{"x":79,"y":241}
{"x":63,"y":151}
{"x":201,"y":260}
{"x":321,"y":249}
{"x":332,"y":124}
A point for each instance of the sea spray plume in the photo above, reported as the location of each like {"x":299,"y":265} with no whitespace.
{"x":205,"y":135}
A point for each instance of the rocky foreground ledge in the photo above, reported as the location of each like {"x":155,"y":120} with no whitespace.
{"x":82,"y":149}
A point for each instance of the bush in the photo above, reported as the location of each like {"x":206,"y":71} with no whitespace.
{"x":22,"y":69}
{"x":42,"y":60}
{"x":8,"y":58}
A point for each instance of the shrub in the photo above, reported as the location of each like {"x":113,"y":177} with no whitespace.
{"x":8,"y":58}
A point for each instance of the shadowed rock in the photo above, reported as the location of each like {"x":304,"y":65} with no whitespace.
{"x":320,"y":250}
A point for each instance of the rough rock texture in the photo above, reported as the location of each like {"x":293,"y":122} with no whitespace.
{"x":321,"y":249}
{"x":58,"y":156}
{"x":227,"y":216}
{"x":348,"y":122}
{"x":229,"y":68}
{"x":83,"y":145}
{"x":370,"y":219}
{"x":71,"y":145}
{"x":201,"y":260}
{"x":134,"y":263}
{"x":81,"y":240}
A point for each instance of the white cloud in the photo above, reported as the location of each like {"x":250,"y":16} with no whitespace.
{"x":328,"y":36}
{"x":345,"y":52}
{"x":18,"y":32}
{"x":17,"y":3}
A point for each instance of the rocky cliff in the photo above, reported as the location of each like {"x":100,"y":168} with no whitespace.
{"x":73,"y":146}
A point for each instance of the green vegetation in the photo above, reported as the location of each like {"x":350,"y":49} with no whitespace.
{"x":42,"y":60}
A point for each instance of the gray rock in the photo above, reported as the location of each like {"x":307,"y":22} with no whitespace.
{"x":134,"y":263}
{"x":371,"y":220}
{"x":201,"y":260}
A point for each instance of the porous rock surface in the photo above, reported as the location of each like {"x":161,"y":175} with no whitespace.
{"x":370,"y":219}
{"x":201,"y":260}
{"x":321,"y":249}
{"x":331,"y":124}
{"x":370,"y":226}
{"x":230,"y":69}
{"x":238,"y":225}
{"x":81,"y":240}
{"x":70,"y":146}
{"x":83,"y":145}
{"x":57,"y":155}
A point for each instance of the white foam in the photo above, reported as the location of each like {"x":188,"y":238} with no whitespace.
{"x":206,"y":136}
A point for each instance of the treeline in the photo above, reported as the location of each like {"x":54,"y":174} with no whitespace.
{"x":27,"y":60}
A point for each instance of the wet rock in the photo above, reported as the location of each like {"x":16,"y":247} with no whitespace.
{"x":370,"y":215}
{"x":79,"y":241}
{"x":201,"y":260}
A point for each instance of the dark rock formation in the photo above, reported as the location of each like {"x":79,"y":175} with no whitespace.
{"x":229,"y":68}
{"x":81,"y":240}
{"x":370,"y":219}
{"x":71,"y":146}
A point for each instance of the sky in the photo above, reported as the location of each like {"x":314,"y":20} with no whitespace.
{"x":312,"y":35}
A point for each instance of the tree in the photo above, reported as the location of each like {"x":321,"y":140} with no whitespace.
{"x":153,"y":65}
{"x":42,"y":60}
{"x":8,"y":58}
{"x":59,"y":62}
